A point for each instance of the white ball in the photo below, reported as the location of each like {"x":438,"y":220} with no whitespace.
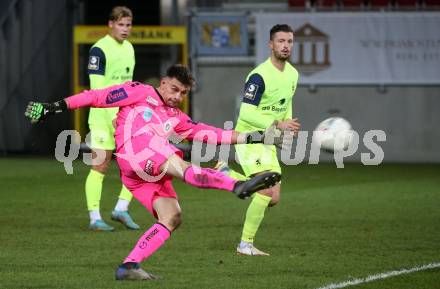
{"x":333,"y":134}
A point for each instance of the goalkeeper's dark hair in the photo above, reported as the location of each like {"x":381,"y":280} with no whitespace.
{"x":181,"y":73}
{"x":280,"y":28}
{"x":119,"y":12}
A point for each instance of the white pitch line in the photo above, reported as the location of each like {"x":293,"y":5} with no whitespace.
{"x":380,"y":276}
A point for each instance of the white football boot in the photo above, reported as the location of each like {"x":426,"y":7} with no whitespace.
{"x":250,"y":250}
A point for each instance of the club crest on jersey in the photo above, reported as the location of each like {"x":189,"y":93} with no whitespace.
{"x":152,"y":101}
{"x":93,"y":63}
{"x":167,"y":126}
{"x":116,"y":95}
{"x":148,"y":114}
{"x":251,"y":91}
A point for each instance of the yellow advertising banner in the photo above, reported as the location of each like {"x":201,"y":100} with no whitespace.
{"x":86,"y":34}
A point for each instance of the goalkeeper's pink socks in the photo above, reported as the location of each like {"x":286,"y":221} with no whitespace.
{"x":156,"y":236}
{"x":208,"y":178}
{"x":149,"y":243}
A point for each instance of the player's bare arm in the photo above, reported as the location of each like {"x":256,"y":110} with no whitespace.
{"x":288,"y":125}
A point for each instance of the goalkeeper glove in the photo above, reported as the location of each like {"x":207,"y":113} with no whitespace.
{"x":37,"y":111}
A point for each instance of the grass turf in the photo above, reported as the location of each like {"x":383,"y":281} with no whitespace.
{"x":331,"y":226}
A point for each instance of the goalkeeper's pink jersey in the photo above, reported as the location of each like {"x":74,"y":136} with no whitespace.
{"x":143,"y":114}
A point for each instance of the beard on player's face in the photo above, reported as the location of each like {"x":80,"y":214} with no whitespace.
{"x":281,"y":45}
{"x":282,"y":56}
{"x":173,"y":91}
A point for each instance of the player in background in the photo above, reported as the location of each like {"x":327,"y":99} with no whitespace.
{"x":111,"y":61}
{"x":147,"y":120}
{"x":267,"y":100}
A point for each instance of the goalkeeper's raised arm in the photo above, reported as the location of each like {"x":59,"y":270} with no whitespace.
{"x":112,"y":96}
{"x":139,"y":96}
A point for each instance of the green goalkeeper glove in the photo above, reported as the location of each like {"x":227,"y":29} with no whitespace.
{"x":37,"y":111}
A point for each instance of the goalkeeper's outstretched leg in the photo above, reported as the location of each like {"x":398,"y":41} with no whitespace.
{"x":161,"y":200}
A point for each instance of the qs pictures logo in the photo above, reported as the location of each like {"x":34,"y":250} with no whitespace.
{"x":311,"y":50}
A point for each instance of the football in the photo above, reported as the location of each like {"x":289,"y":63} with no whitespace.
{"x":333,"y":134}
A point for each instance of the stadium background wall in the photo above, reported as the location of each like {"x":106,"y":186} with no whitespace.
{"x":36,"y":62}
{"x":409,"y":115}
{"x":35,"y":57}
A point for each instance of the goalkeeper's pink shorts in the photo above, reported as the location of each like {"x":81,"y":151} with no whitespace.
{"x":146,"y":193}
{"x":142,"y":176}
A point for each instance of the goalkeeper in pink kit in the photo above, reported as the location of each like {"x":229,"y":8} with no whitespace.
{"x":147,"y":120}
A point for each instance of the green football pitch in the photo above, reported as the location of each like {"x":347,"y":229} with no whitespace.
{"x":332,"y":226}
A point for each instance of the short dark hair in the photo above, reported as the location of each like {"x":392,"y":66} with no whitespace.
{"x":181,"y":73}
{"x":119,"y":12}
{"x":280,"y":28}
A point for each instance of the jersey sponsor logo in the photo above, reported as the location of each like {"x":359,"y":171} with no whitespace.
{"x":251,"y":91}
{"x":93,"y":63}
{"x":274,"y":108}
{"x":152,"y":101}
{"x":147,"y":115}
{"x":116,"y":95}
{"x":122,"y":78}
{"x":149,"y":166}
